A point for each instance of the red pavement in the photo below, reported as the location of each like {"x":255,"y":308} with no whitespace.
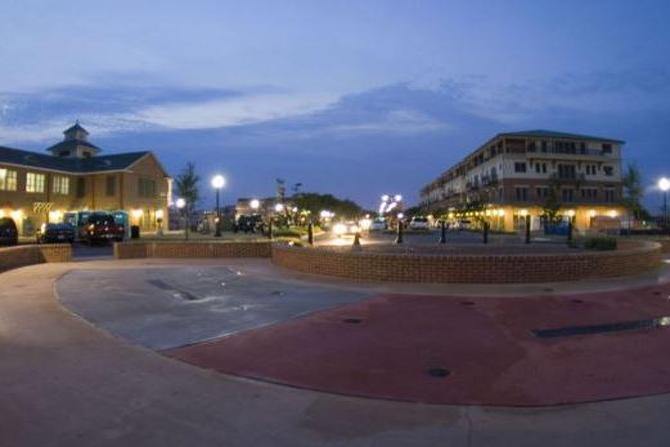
{"x":487,"y":346}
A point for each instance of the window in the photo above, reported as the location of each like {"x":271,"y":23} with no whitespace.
{"x":541,"y":168}
{"x":521,"y":194}
{"x":61,"y":184}
{"x":110,"y":185}
{"x":566,"y":171}
{"x":591,"y":169}
{"x":609,"y":195}
{"x":81,"y":187}
{"x":607,"y":148}
{"x":609,"y":170}
{"x":568,"y":195}
{"x":7,"y":180}
{"x":519,"y":167}
{"x":589,"y":193}
{"x":542,"y":192}
{"x":146,"y":187}
{"x":34,"y":182}
{"x":544,"y":146}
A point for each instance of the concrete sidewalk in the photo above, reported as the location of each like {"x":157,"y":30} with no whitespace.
{"x":66,"y":383}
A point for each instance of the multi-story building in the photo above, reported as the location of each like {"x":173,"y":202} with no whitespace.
{"x":37,"y":188}
{"x":513,"y":174}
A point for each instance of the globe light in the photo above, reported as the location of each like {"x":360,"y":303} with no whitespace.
{"x":254,"y":204}
{"x":279,"y":207}
{"x":664,"y":184}
{"x":181,"y":203}
{"x":400,"y":215}
{"x":218,"y":181}
{"x":385,"y":198}
{"x":397,"y":198}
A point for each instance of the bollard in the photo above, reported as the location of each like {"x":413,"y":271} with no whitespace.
{"x":310,"y":234}
{"x":357,"y":241}
{"x":398,"y":239}
{"x":486,"y":232}
{"x":570,"y":232}
{"x":527,"y":230}
{"x":443,"y":232}
{"x":270,"y":230}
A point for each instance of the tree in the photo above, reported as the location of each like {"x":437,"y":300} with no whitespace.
{"x":316,"y":203}
{"x":633,"y":191}
{"x":551,"y":204}
{"x":187,"y":187}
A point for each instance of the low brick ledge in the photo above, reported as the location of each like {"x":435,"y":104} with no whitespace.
{"x":192,"y":249}
{"x":22,"y":255}
{"x":631,"y":258}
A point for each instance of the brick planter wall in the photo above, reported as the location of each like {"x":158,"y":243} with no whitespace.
{"x":22,"y":255}
{"x":630,"y":259}
{"x":129,"y":250}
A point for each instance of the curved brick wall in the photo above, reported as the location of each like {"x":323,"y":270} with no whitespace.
{"x":630,"y":259}
{"x":21,"y":255}
{"x":188,"y":249}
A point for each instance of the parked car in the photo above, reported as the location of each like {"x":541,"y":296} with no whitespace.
{"x":55,"y":232}
{"x":101,"y":227}
{"x":9,"y":234}
{"x":342,"y":228}
{"x":379,"y":224}
{"x":419,"y":223}
{"x":462,"y":225}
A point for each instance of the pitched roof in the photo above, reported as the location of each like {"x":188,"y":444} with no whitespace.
{"x":75,"y":127}
{"x":113,"y":162}
{"x":72,"y":145}
{"x":541,"y":133}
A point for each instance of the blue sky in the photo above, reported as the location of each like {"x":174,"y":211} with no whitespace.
{"x":357,"y":98}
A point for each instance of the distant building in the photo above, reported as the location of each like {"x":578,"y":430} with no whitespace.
{"x":512,"y":172}
{"x":37,"y":188}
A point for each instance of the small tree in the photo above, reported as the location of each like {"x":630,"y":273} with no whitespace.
{"x":633,"y":191}
{"x":551,"y":204}
{"x":187,"y":186}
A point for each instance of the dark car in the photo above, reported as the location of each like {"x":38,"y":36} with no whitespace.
{"x":9,"y":234}
{"x":55,"y":232}
{"x":101,"y":227}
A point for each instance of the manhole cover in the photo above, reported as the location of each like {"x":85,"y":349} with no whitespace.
{"x":438,"y":372}
{"x":353,"y":320}
{"x":468,"y":303}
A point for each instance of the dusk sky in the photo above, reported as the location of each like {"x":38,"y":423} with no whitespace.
{"x":357,"y":98}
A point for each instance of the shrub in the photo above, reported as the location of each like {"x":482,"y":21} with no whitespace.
{"x":600,"y":243}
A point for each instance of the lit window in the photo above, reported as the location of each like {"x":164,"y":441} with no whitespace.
{"x":61,"y":184}
{"x":7,"y":180}
{"x":34,"y":182}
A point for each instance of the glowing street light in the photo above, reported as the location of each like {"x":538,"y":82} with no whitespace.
{"x":664,"y":185}
{"x":385,"y":198}
{"x":279,"y":207}
{"x":218,"y":181}
{"x":254,"y":204}
{"x":180,"y":203}
{"x":397,"y":198}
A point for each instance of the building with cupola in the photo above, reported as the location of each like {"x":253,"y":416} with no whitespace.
{"x":76,"y":175}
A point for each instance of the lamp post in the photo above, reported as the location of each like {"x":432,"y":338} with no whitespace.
{"x":217,"y":183}
{"x":664,"y":185}
{"x":181,"y":204}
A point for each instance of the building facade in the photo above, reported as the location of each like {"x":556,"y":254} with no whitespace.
{"x":37,"y":188}
{"x":514,"y":175}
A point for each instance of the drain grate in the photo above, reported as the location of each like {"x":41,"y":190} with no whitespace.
{"x":438,"y":372}
{"x":352,"y":320}
{"x":621,"y":326}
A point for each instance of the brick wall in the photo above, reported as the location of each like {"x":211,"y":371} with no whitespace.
{"x":19,"y":256}
{"x":129,"y":250}
{"x":630,"y":259}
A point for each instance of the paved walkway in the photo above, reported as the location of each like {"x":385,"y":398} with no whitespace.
{"x":66,"y":383}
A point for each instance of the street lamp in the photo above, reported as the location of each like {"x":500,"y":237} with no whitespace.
{"x":181,"y":204}
{"x":664,"y":185}
{"x":254,"y":204}
{"x":217,"y":183}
